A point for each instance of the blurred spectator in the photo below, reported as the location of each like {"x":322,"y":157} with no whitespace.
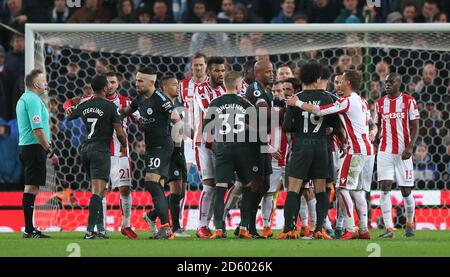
{"x":409,"y":13}
{"x":2,"y":59}
{"x":91,"y":12}
{"x":424,"y":168}
{"x":382,"y":70}
{"x":161,"y":13}
{"x":217,"y":41}
{"x":262,"y":54}
{"x":195,"y":12}
{"x":143,"y":15}
{"x":300,"y":18}
{"x":375,"y":91}
{"x":446,"y":158}
{"x":429,"y":10}
{"x":262,"y":11}
{"x":286,"y":13}
{"x":226,"y":15}
{"x":323,"y":11}
{"x":399,"y":5}
{"x":344,"y":63}
{"x":429,"y":87}
{"x":54,"y":49}
{"x":240,"y":14}
{"x":60,"y":12}
{"x":284,"y":72}
{"x":356,"y":53}
{"x":432,"y":112}
{"x":144,"y":45}
{"x":101,"y":66}
{"x":15,"y":58}
{"x":70,"y":84}
{"x":440,"y":17}
{"x":10,"y":168}
{"x":125,"y":10}
{"x":394,"y":17}
{"x":246,"y":46}
{"x":350,"y":13}
{"x":372,"y":14}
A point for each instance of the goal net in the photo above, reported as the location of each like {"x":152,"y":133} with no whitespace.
{"x":72,"y":54}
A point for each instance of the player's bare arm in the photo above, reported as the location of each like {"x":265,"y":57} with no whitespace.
{"x":177,"y":133}
{"x":121,"y":137}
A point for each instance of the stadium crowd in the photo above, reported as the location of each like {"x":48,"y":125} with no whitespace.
{"x":425,"y":75}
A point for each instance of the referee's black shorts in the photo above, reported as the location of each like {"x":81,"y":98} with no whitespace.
{"x":33,"y":158}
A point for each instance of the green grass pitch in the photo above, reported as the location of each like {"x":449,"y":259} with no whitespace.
{"x":426,"y":243}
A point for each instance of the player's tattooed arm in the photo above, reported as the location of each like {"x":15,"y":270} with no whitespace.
{"x":414,"y":130}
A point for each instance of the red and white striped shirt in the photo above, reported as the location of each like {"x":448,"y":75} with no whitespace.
{"x":354,"y":116}
{"x":204,"y":93}
{"x":186,"y":90}
{"x":394,"y":116}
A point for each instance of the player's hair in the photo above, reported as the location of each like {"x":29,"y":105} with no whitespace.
{"x":231,"y":79}
{"x":112,"y":74}
{"x":326,"y":73}
{"x":103,"y":61}
{"x":295,"y":83}
{"x":198,"y":55}
{"x":248,"y":65}
{"x":310,"y":73}
{"x":354,"y":77}
{"x":150,"y":70}
{"x":166,"y":78}
{"x":31,"y":77}
{"x":215,"y":60}
{"x":431,"y":2}
{"x":277,"y":83}
{"x":98,"y":83}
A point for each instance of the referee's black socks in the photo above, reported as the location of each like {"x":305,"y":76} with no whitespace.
{"x":95,"y":205}
{"x":28,"y":210}
{"x":159,"y":200}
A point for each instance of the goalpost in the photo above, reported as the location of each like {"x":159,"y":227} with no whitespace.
{"x":371,"y":48}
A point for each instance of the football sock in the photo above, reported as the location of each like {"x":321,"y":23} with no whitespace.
{"x":349,"y":220}
{"x":101,"y":219}
{"x":219,"y":207}
{"x":206,"y":199}
{"x":233,"y":196}
{"x":126,"y":203}
{"x":28,"y":210}
{"x":245,"y":207}
{"x":303,"y":211}
{"x":252,"y":224}
{"x":386,"y":209}
{"x":95,"y":205}
{"x":159,"y":200}
{"x":290,"y":209}
{"x":266,"y":209}
{"x":410,"y":206}
{"x":359,"y":197}
{"x":312,"y":205}
{"x":322,"y":209}
{"x":174,"y":204}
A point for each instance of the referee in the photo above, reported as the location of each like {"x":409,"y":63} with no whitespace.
{"x":34,"y":145}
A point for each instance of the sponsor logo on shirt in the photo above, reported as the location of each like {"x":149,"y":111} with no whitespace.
{"x":394,"y":116}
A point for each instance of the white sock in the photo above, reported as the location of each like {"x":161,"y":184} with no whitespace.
{"x":303,"y":211}
{"x":346,"y":200}
{"x":312,"y":213}
{"x":206,"y":199}
{"x":386,"y":209}
{"x":182,"y":205}
{"x":359,"y":198}
{"x":233,"y":196}
{"x":266,"y":209}
{"x":126,"y":203}
{"x":327,"y":223}
{"x":104,"y":210}
{"x":410,"y":207}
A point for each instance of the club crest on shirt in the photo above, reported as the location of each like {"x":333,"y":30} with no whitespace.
{"x":257,"y":93}
{"x":149,"y":111}
{"x":255,"y":169}
{"x":176,"y":173}
{"x":36,"y":119}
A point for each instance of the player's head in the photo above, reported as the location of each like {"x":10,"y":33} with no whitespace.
{"x":99,"y":84}
{"x":249,"y":71}
{"x":284,"y":72}
{"x":337,"y":84}
{"x":198,"y":65}
{"x":169,"y":85}
{"x":310,"y":73}
{"x":113,"y":83}
{"x":146,"y":79}
{"x":232,"y":81}
{"x":277,"y":90}
{"x":392,"y":83}
{"x":216,"y":69}
{"x":264,"y":72}
{"x":324,"y":78}
{"x":35,"y":81}
{"x":290,"y":87}
{"x":351,"y":82}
